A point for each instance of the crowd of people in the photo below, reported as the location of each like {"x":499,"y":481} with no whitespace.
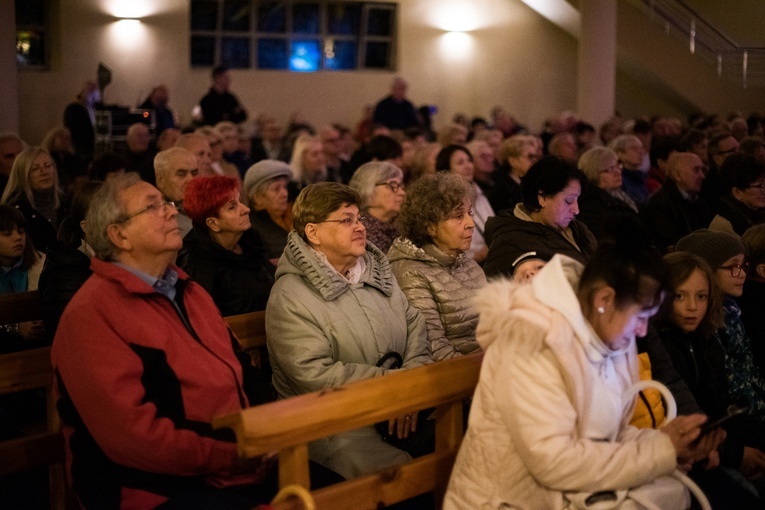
{"x":581,"y":260}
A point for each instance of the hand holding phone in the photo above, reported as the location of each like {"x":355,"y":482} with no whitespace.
{"x":733,"y":412}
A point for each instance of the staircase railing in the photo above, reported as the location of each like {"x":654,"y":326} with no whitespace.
{"x":743,"y":64}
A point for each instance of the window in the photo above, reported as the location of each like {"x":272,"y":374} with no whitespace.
{"x":32,"y":34}
{"x":294,"y":35}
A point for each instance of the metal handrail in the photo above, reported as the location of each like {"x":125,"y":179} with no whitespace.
{"x":733,"y":61}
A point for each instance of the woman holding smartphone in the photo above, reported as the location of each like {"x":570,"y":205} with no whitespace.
{"x":548,"y":427}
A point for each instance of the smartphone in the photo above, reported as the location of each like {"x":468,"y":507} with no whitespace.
{"x":733,"y":412}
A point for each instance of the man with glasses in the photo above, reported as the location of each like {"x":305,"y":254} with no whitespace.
{"x":143,"y":363}
{"x":743,"y":204}
{"x":330,"y":141}
{"x":334,"y":316}
{"x":198,"y":145}
{"x":721,"y":146}
{"x":677,"y":209}
{"x":174,"y":169}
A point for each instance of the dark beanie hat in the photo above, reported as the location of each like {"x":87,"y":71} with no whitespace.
{"x":714,"y":247}
{"x":532,"y":255}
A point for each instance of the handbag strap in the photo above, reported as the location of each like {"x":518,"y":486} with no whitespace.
{"x":398,"y":361}
{"x":671,"y":414}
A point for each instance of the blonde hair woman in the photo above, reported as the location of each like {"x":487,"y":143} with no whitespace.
{"x":33,"y":189}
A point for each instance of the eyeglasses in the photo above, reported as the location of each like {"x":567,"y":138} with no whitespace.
{"x":617,"y":167}
{"x":735,"y":269}
{"x":154,"y":208}
{"x":393,"y":185}
{"x":346,"y":222}
{"x":760,"y":185}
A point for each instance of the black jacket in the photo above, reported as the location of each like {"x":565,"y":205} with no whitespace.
{"x":40,"y":230}
{"x":238,"y":283}
{"x":700,"y":360}
{"x":664,"y":371}
{"x":221,"y":106}
{"x":395,"y":114}
{"x":670,"y":217}
{"x":603,"y":213}
{"x":506,"y":192}
{"x":739,"y":215}
{"x":64,"y":272}
{"x":273,"y":237}
{"x":751,"y":303}
{"x":508,"y":237}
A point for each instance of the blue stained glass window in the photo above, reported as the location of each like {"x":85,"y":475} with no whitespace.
{"x":380,"y":22}
{"x":236,"y":15}
{"x":294,"y":35}
{"x":271,"y":18}
{"x":305,"y":56}
{"x":235,"y":52}
{"x":305,"y":18}
{"x":272,"y":53}
{"x":342,"y":55}
{"x":377,"y":55}
{"x":343,"y":18}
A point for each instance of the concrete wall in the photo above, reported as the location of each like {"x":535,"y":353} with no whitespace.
{"x":510,"y":57}
{"x":659,"y":75}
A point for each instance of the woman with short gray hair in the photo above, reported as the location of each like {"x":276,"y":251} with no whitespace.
{"x":381,"y":186}
{"x":266,"y":187}
{"x":335,"y":315}
{"x":603,"y":203}
{"x":431,"y":265}
{"x":630,"y":151}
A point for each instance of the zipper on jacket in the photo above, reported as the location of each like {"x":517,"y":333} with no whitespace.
{"x":187,"y":325}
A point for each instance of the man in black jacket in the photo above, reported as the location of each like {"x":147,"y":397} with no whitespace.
{"x":676,"y":209}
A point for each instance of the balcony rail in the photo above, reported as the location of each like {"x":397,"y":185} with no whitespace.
{"x":742,"y":64}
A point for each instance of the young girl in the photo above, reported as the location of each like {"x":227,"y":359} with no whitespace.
{"x":725,"y":254}
{"x":687,"y":325}
{"x":20,"y":267}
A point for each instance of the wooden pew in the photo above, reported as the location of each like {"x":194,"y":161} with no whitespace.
{"x":287,"y":426}
{"x":22,"y":371}
{"x":250,"y":329}
{"x":27,"y":370}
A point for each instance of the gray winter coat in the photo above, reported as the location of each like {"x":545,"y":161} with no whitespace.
{"x":324,"y":332}
{"x":442,"y":287}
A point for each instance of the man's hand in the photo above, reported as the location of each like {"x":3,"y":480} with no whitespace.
{"x":32,"y":330}
{"x":259,"y":466}
{"x":753,"y":463}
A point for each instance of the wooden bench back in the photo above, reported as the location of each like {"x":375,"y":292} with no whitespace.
{"x":28,"y":370}
{"x":20,"y":307}
{"x":287,"y":426}
{"x":250,"y":329}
